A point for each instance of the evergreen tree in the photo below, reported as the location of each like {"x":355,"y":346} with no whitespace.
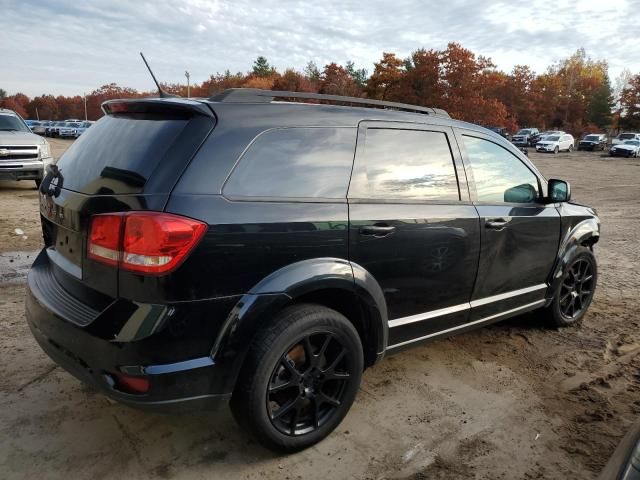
{"x":601,"y":105}
{"x":261,"y":67}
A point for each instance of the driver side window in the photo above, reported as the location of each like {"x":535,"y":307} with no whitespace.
{"x":499,"y":176}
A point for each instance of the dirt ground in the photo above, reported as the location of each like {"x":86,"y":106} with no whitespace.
{"x":512,"y":401}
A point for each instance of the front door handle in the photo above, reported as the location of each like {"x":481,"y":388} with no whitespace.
{"x":496,"y":223}
{"x":377,"y":230}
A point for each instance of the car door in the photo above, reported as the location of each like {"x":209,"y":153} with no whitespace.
{"x":412,"y":226}
{"x":519,"y":231}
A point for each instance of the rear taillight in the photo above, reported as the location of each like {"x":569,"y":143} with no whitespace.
{"x":145,"y":242}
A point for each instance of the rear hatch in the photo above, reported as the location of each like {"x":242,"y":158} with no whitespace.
{"x":129,"y":160}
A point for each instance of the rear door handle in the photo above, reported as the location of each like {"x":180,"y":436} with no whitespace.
{"x":377,"y":230}
{"x":496,"y":223}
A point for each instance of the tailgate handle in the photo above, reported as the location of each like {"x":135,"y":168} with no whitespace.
{"x":377,"y":230}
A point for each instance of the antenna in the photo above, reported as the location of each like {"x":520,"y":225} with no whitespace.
{"x":161,"y":92}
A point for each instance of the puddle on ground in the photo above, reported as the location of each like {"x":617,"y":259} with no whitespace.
{"x":14,"y":266}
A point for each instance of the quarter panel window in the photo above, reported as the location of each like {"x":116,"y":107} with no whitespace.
{"x":405,"y":164}
{"x":499,"y":175}
{"x":299,"y":162}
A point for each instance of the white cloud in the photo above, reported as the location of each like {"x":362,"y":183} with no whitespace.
{"x":68,"y":47}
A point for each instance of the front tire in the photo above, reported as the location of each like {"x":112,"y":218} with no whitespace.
{"x":575,"y":290}
{"x":300,"y":378}
{"x":556,"y":150}
{"x":38,"y":183}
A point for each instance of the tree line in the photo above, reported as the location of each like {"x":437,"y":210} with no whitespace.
{"x":574,"y":94}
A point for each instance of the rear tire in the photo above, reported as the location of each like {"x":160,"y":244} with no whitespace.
{"x":570,"y":148}
{"x":300,"y":378}
{"x":574,"y":293}
{"x":38,"y":183}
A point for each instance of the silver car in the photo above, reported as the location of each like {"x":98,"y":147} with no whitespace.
{"x":23,"y":154}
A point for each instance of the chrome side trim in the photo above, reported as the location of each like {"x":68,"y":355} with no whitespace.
{"x":477,"y":322}
{"x":504,"y":296}
{"x":464,"y":306}
{"x":427,"y":315}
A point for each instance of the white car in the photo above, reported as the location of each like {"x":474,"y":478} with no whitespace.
{"x":625,"y":136}
{"x":83,"y":128}
{"x":555,"y":143}
{"x":630,"y":148}
{"x":69,"y":129}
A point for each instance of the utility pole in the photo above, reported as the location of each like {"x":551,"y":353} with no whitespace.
{"x":186,"y":74}
{"x":85,"y":106}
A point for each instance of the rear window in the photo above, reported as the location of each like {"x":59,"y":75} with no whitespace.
{"x":300,"y":162}
{"x":625,"y":136}
{"x":118,"y":154}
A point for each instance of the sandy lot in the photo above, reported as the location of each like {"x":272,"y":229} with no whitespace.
{"x":515,"y":400}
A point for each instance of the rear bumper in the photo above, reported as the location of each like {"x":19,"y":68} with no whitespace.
{"x":182,"y":375}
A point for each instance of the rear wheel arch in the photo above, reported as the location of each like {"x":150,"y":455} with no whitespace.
{"x":333,"y":283}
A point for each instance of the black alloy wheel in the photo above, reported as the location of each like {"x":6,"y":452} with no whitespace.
{"x":308,"y":384}
{"x":301,"y":376}
{"x":576,"y":290}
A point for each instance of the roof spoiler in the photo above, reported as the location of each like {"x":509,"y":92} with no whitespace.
{"x":174,"y":105}
{"x":255,"y":95}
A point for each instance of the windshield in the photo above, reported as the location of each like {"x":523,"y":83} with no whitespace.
{"x":524,"y":131}
{"x":627,"y":135}
{"x":11,"y":123}
{"x":553,"y":138}
{"x":632,"y":142}
{"x":593,"y":138}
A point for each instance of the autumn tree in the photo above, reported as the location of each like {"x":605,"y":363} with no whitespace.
{"x":385,"y":80}
{"x":18,"y":103}
{"x":292,"y":81}
{"x":335,"y":80}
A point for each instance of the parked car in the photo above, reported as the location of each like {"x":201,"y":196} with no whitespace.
{"x":53,"y":128}
{"x":524,"y":137}
{"x":265,"y":253}
{"x":629,"y":148}
{"x":556,"y":143}
{"x":23,"y":154}
{"x":38,"y":127}
{"x":70,"y":129}
{"x":536,"y":138}
{"x":593,"y":141}
{"x":83,"y":128}
{"x":500,"y":131}
{"x":625,"y":136}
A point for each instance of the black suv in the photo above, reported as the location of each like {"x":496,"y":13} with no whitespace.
{"x":266,"y":252}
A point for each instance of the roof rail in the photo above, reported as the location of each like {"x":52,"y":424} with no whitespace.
{"x":255,"y":95}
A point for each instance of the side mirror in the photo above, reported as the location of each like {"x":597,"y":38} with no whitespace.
{"x":559,"y":190}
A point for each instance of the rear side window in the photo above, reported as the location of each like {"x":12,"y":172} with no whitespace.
{"x":118,"y":153}
{"x":301,"y":162}
{"x":405,"y":164}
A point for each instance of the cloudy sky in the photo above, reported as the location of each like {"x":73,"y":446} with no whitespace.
{"x":74,"y":46}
